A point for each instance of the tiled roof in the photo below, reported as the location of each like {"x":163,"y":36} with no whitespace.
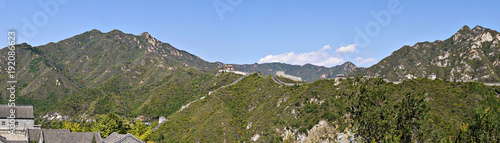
{"x":22,"y":112}
{"x":130,"y":136}
{"x":113,"y":137}
{"x":118,"y":138}
{"x":77,"y":137}
{"x":17,"y":141}
{"x":3,"y":139}
{"x":34,"y":134}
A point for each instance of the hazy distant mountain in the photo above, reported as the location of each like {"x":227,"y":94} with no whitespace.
{"x":470,"y":54}
{"x":308,"y":72}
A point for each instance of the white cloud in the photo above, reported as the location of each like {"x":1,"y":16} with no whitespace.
{"x":349,"y":49}
{"x":320,"y":57}
{"x":362,"y":61}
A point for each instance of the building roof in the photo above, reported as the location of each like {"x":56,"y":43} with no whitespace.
{"x":3,"y":139}
{"x":34,"y":134}
{"x":118,"y":138}
{"x":16,"y":142}
{"x":22,"y":112}
{"x":113,"y":137}
{"x":77,"y":137}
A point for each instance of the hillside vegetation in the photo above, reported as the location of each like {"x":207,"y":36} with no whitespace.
{"x":85,"y":81}
{"x":415,"y":110}
{"x":95,"y":73}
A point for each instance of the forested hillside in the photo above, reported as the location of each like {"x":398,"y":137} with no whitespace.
{"x":96,"y":73}
{"x":371,"y":109}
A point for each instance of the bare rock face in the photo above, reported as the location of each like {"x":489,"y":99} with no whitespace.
{"x":146,"y":35}
{"x":321,"y":132}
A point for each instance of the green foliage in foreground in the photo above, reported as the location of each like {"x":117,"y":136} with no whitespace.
{"x":485,"y":127}
{"x":105,"y":124}
{"x":415,"y":110}
{"x":109,"y":124}
{"x":374,"y":110}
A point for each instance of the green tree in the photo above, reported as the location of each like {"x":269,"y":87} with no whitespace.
{"x":382,"y":119}
{"x":485,"y":127}
{"x":410,"y":113}
{"x":73,"y":127}
{"x":110,"y":123}
{"x":371,"y":117}
{"x":138,"y":128}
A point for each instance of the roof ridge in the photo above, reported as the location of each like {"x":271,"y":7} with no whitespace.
{"x":16,"y":105}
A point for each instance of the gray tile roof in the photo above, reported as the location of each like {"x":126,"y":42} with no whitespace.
{"x":17,"y":142}
{"x":34,"y":134}
{"x":119,"y":138}
{"x":113,"y":137}
{"x":77,"y":137}
{"x":3,"y":139}
{"x":22,"y":112}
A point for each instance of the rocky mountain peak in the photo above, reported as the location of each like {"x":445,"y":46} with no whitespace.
{"x":146,"y":35}
{"x":152,"y":41}
{"x":461,"y":33}
{"x":478,"y":29}
{"x":348,"y":66}
{"x":116,"y":31}
{"x":478,"y":34}
{"x":464,"y":28}
{"x":95,"y":30}
{"x":466,"y":33}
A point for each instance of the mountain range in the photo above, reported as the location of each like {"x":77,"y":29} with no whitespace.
{"x":140,"y":63}
{"x":75,"y":75}
{"x":308,"y":72}
{"x":468,"y":55}
{"x":95,"y":73}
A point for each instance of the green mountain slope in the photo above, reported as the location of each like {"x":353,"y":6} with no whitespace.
{"x":320,"y":110}
{"x":100,"y":67}
{"x":95,"y":73}
{"x":470,"y":54}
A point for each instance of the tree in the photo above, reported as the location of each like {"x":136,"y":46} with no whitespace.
{"x":380,"y":119}
{"x":73,"y":127}
{"x":145,"y":136}
{"x":110,"y":123}
{"x":483,"y":128}
{"x":371,"y":116}
{"x":138,"y":128}
{"x":409,"y":116}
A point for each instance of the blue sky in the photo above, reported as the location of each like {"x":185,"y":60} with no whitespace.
{"x":322,"y":32}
